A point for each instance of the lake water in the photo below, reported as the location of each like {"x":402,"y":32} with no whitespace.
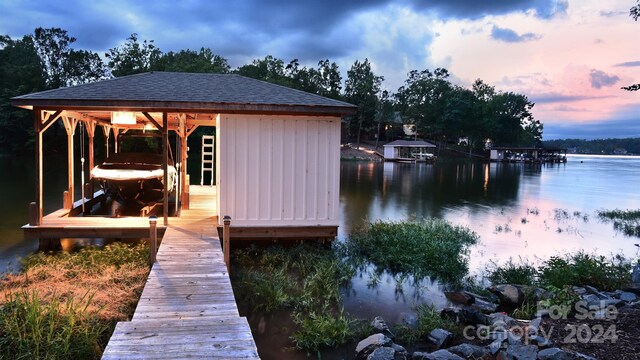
{"x":518,"y":210}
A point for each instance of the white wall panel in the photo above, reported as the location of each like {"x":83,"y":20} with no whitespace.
{"x":278,"y":170}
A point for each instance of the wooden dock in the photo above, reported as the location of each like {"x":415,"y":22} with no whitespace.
{"x":187,"y":308}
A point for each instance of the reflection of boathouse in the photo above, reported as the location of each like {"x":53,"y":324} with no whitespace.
{"x":407,"y":150}
{"x":528,"y":154}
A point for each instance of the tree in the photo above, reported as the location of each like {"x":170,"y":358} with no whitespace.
{"x":268,"y":69}
{"x":423,"y":100}
{"x":204,"y":61}
{"x":63,"y":65}
{"x":634,"y":12}
{"x":133,"y":57}
{"x":362,"y":88}
{"x":21,"y":72}
{"x":329,"y":79}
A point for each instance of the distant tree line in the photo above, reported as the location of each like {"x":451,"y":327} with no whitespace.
{"x":439,"y":110}
{"x":627,"y":146}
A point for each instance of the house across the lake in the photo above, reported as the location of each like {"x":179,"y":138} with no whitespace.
{"x":409,"y":151}
{"x":528,"y":154}
{"x":276,"y":154}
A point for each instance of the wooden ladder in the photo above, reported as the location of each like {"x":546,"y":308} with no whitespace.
{"x":208,"y":150}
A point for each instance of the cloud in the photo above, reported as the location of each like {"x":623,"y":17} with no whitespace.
{"x":600,"y":79}
{"x":628,"y":64}
{"x":623,"y":123}
{"x":551,"y":98}
{"x":609,"y":14}
{"x":473,"y":9}
{"x":510,"y":36}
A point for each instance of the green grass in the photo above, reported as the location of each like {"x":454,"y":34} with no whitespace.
{"x":65,"y":306}
{"x":626,"y":221}
{"x":304,"y":279}
{"x":521,"y":273}
{"x":33,"y":329}
{"x":582,"y":268}
{"x":430,"y":247}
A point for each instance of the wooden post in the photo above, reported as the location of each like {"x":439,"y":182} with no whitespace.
{"x":153,"y":242}
{"x":67,"y":202}
{"x":91,"y":131}
{"x":70,"y":127}
{"x":106,"y":130}
{"x":165,"y":168}
{"x":185,"y":194}
{"x":226,"y":242}
{"x":37,"y":124}
{"x":33,"y":214}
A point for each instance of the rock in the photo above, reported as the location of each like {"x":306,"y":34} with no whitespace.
{"x":543,"y":313}
{"x":508,"y":294}
{"x":496,"y":346}
{"x":408,"y":319}
{"x":596,"y":292}
{"x":590,"y":299}
{"x":470,"y":316}
{"x":436,"y":355}
{"x":635,"y":274}
{"x":540,"y":341}
{"x":522,"y":352}
{"x":400,"y":352}
{"x":469,"y":351}
{"x":440,"y":337}
{"x":459,"y":297}
{"x":634,"y":288}
{"x":542,"y":294}
{"x":583,"y":356}
{"x":502,"y":320}
{"x":380,"y":325}
{"x":450,"y":314}
{"x":485,"y":306}
{"x":554,"y":354}
{"x":382,"y":353}
{"x":627,"y":296}
{"x":579,"y":290}
{"x":534,"y":326}
{"x":368,"y":345}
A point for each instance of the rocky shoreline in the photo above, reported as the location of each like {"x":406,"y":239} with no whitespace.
{"x":599,"y":325}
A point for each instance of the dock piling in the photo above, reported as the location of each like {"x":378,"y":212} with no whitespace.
{"x":225,"y":241}
{"x":153,"y":243}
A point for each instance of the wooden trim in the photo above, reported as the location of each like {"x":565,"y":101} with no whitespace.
{"x":51,"y":119}
{"x":184,"y":106}
{"x":281,"y":232}
{"x":154,"y":122}
{"x":37,"y":120}
{"x":43,"y":231}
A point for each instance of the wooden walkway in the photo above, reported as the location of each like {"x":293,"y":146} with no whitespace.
{"x":187,"y":308}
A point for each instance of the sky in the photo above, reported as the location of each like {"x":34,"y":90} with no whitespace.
{"x":570,"y":57}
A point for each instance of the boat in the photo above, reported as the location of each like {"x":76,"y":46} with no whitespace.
{"x":135,"y":177}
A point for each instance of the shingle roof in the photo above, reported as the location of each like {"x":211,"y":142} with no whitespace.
{"x":186,"y":92}
{"x":410,"y":143}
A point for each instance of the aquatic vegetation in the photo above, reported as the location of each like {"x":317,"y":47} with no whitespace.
{"x":533,"y":211}
{"x":560,"y":214}
{"x":626,"y":221}
{"x":431,"y":247}
{"x":306,"y":279}
{"x":429,"y":318}
{"x":65,"y":305}
{"x":582,"y":268}
{"x":521,"y":273}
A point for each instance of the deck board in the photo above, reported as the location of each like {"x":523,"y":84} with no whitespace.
{"x":187,"y":308}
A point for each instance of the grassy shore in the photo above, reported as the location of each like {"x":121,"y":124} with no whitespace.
{"x":65,"y":305}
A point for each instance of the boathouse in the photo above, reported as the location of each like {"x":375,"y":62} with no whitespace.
{"x":528,"y":154}
{"x":277,"y":150}
{"x":409,"y":150}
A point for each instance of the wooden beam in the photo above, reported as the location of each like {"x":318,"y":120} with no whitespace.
{"x":182,"y":132}
{"x":106,"y":130}
{"x":282,"y":232}
{"x":165,"y":168}
{"x":154,"y":122}
{"x":50,"y":119}
{"x":192,"y":129}
{"x":91,"y":132}
{"x":70,"y":127}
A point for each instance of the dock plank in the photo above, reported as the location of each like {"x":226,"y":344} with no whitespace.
{"x":187,"y":308}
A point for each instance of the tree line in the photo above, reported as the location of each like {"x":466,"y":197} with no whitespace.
{"x":626,"y":146}
{"x":440,"y":110}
